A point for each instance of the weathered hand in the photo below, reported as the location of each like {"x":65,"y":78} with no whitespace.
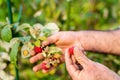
{"x":90,"y":70}
{"x":62,"y":40}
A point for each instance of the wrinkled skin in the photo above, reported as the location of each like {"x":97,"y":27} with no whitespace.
{"x":91,"y":70}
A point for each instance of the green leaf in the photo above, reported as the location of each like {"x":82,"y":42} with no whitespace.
{"x":52,"y":27}
{"x":45,"y":32}
{"x":2,"y":49}
{"x":2,"y":24}
{"x":49,"y":29}
{"x":32,"y":33}
{"x":35,"y":30}
{"x":38,"y":26}
{"x":13,"y":53}
{"x":23,"y":26}
{"x":37,"y":43}
{"x":42,"y":38}
{"x":25,"y":39}
{"x":5,"y":45}
{"x":6,"y":33}
{"x":13,"y":41}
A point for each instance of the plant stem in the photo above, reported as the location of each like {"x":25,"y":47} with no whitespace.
{"x":20,"y":13}
{"x":68,"y":14}
{"x":11,"y":22}
{"x":9,"y":12}
{"x":17,"y":73}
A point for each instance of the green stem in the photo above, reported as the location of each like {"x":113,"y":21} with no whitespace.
{"x":20,"y":13}
{"x":11,"y":22}
{"x":9,"y":12}
{"x":17,"y":72}
{"x":68,"y":14}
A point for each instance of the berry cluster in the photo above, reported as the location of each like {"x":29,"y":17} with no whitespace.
{"x":52,"y":56}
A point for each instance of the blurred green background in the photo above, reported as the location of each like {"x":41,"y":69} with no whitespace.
{"x":68,"y":15}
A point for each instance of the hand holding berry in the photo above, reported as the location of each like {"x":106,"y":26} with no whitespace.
{"x":64,"y":40}
{"x":90,"y":70}
{"x":60,"y":40}
{"x":50,"y":55}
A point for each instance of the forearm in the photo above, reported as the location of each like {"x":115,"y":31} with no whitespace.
{"x":101,"y":41}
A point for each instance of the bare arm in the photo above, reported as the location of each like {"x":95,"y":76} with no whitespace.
{"x":101,"y":41}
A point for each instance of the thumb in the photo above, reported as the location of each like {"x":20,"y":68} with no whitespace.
{"x":80,"y":57}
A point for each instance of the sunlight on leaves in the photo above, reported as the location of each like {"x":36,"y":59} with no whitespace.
{"x":14,"y":52}
{"x":6,"y":33}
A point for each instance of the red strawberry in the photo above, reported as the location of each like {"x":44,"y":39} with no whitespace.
{"x":44,"y":66}
{"x":70,"y":50}
{"x":37,"y":49}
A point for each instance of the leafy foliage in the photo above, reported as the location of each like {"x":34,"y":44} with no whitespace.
{"x":6,"y":33}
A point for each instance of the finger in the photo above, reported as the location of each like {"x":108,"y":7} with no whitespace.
{"x":80,"y":57}
{"x":51,"y":39}
{"x":39,"y":67}
{"x":32,"y":52}
{"x":46,"y":71}
{"x":35,"y":58}
{"x":73,"y":59}
{"x":72,"y":70}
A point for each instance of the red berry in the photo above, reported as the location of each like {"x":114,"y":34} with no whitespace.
{"x":37,"y":49}
{"x":71,"y":50}
{"x":44,"y":66}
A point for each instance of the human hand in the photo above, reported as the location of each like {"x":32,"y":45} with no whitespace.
{"x":62,"y":40}
{"x":90,"y":70}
